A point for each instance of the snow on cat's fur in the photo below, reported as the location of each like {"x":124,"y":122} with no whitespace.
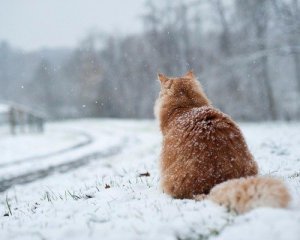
{"x":203,"y":147}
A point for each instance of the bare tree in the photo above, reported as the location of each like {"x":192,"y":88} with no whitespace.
{"x":255,"y":13}
{"x":288,"y":13}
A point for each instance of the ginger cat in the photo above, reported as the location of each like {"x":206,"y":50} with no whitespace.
{"x":202,"y":146}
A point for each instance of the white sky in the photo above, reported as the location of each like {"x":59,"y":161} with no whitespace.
{"x":32,"y":24}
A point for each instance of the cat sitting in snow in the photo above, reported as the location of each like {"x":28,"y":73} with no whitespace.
{"x":203,"y":149}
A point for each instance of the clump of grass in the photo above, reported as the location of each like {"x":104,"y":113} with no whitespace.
{"x":8,"y":207}
{"x":294,"y":175}
{"x":48,"y":196}
{"x":74,"y":196}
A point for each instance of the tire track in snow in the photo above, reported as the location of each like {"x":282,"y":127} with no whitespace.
{"x":89,"y":140}
{"x":62,"y":168}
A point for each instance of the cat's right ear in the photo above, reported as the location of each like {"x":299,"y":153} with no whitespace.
{"x":190,"y":74}
{"x":162,"y":78}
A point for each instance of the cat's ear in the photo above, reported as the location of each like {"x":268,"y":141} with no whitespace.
{"x":162,"y":78}
{"x":190,"y":74}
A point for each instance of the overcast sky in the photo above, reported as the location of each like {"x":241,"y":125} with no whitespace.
{"x":32,"y":24}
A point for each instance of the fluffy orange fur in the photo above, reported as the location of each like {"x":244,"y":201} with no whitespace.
{"x":245,"y":194}
{"x":202,"y":146}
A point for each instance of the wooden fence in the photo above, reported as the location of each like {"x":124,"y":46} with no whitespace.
{"x":21,"y":120}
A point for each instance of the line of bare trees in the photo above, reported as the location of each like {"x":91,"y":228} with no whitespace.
{"x":245,"y":52}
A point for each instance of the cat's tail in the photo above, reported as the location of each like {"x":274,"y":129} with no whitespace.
{"x":244,"y":194}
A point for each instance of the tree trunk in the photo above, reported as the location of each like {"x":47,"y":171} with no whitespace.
{"x":261,"y":25}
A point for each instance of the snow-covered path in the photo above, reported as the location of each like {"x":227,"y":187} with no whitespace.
{"x":117,"y":195}
{"x":63,"y":147}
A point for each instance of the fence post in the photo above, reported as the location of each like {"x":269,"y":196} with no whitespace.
{"x":12,"y":120}
{"x":22,"y":120}
{"x":40,"y":123}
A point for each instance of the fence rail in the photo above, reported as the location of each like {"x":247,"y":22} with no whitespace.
{"x":21,"y":120}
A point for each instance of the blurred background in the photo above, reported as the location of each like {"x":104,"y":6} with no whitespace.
{"x":77,"y":59}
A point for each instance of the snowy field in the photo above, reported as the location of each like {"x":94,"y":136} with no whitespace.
{"x":99,"y":179}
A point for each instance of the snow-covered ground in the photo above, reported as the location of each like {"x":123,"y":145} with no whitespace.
{"x":99,"y":179}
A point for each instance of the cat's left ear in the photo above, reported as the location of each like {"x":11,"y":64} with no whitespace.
{"x":162,"y":78}
{"x":190,"y":74}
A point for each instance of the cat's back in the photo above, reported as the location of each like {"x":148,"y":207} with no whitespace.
{"x":209,"y":140}
{"x":205,"y":122}
{"x":205,"y":129}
